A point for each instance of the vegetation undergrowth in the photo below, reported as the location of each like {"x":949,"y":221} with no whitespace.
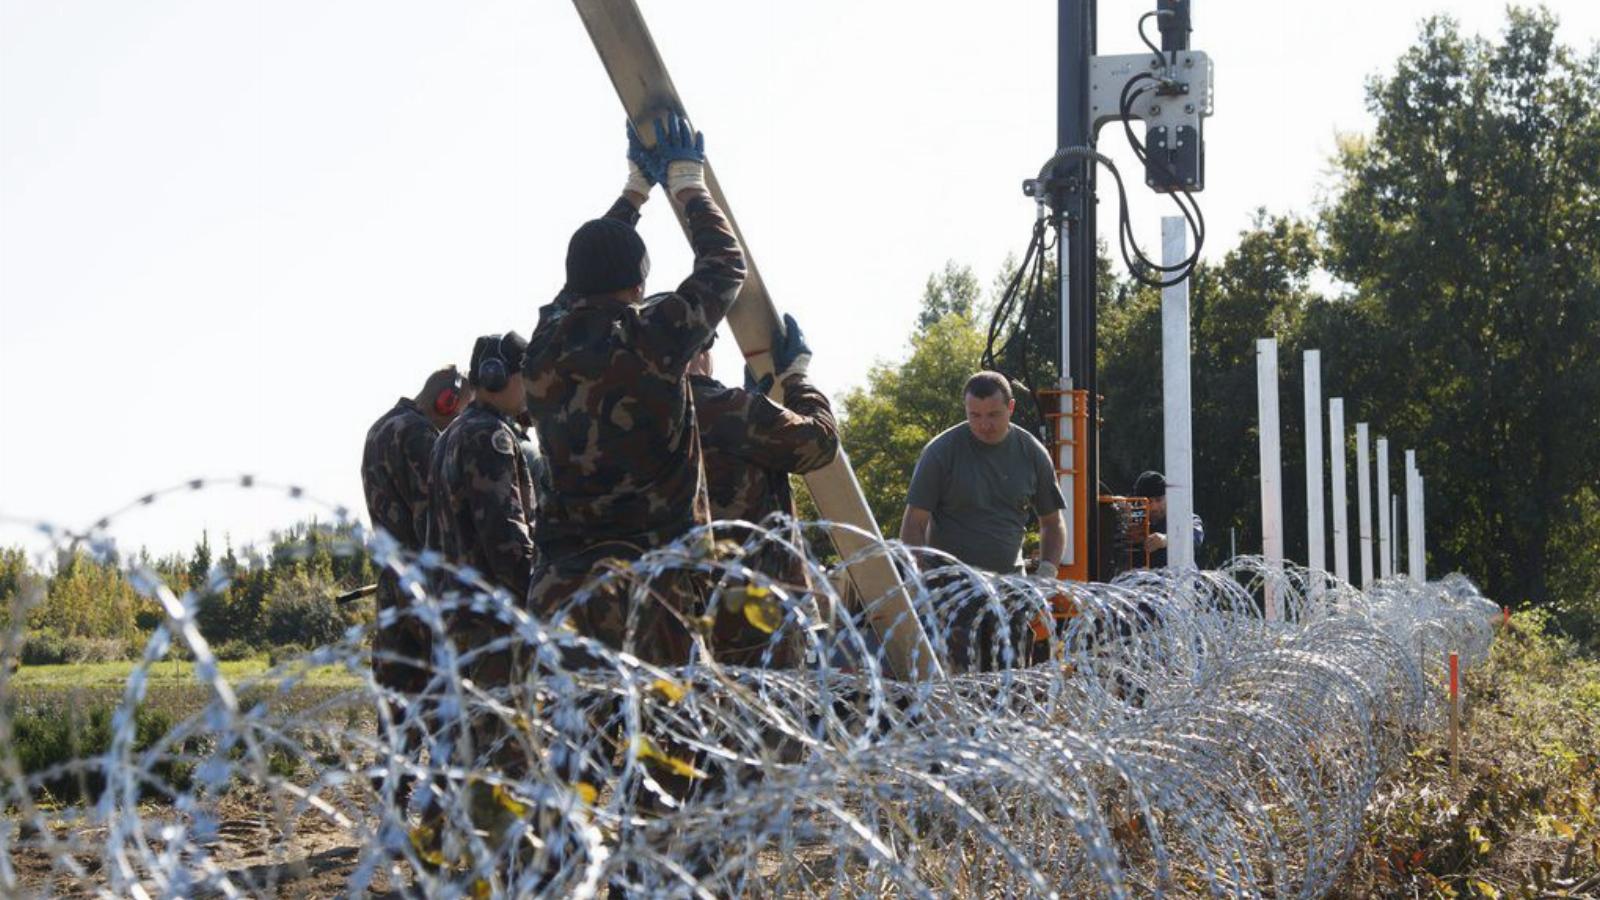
{"x":1523,"y":820}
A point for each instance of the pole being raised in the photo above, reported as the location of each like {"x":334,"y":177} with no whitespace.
{"x":640,"y":77}
{"x":1271,"y":470}
{"x":1177,"y":434}
{"x":1341,"y":500}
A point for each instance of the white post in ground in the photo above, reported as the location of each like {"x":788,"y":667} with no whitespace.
{"x":1364,"y":502}
{"x":1394,"y":545}
{"x":1316,"y":513}
{"x":1177,"y":433}
{"x":1385,"y":513}
{"x":1271,"y":469}
{"x":1414,"y":566}
{"x":1341,"y":499}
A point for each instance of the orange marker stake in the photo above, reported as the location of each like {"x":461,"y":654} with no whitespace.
{"x":1455,"y":718}
{"x":1505,"y":616}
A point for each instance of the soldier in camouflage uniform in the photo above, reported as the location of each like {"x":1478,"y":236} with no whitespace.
{"x":482,"y":502}
{"x":607,"y":386}
{"x":394,"y":476}
{"x":751,"y":445}
{"x":481,"y":493}
{"x":481,"y":498}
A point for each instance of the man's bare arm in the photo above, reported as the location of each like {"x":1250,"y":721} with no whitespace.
{"x":914,"y":527}
{"x":1052,"y":543}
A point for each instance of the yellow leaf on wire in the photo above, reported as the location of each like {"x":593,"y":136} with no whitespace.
{"x":509,"y":803}
{"x":765,"y":616}
{"x":646,"y":749}
{"x":421,"y":839}
{"x":761,"y":609}
{"x":669,"y":690}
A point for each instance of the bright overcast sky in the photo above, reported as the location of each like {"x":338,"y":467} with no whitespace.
{"x":231,"y":234}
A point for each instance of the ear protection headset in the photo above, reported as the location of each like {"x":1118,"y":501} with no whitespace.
{"x":492,"y":372}
{"x":447,"y":401}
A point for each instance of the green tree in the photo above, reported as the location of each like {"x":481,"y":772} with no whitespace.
{"x":18,"y":583}
{"x":301,"y":610}
{"x":211,"y":609}
{"x":87,"y":598}
{"x":955,"y":290}
{"x":1469,"y":225}
{"x":886,"y":424}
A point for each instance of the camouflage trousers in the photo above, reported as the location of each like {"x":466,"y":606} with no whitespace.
{"x":401,"y":653}
{"x":656,"y":621}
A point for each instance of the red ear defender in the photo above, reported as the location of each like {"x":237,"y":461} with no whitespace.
{"x":446,"y":401}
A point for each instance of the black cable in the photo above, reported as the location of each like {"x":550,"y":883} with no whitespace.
{"x":1136,"y":261}
{"x":1019,"y":312}
{"x":1155,"y":13}
{"x":1190,"y":209}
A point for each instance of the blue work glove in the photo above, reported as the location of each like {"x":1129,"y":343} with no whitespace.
{"x":761,"y":386}
{"x":683,"y":150}
{"x":644,"y":167}
{"x":790,"y":353}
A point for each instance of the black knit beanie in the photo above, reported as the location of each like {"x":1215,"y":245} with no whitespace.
{"x":1150,"y":485}
{"x":605,"y":255}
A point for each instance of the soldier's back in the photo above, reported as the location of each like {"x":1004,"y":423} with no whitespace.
{"x":615,"y":425}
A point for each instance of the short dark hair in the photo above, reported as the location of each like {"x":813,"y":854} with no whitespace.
{"x":986,"y":384}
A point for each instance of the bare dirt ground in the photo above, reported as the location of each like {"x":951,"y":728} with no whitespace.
{"x":315,"y":861}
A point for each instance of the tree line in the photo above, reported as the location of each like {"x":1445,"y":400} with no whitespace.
{"x":85,"y":609}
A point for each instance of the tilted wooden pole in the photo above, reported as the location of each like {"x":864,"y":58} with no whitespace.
{"x":640,"y":77}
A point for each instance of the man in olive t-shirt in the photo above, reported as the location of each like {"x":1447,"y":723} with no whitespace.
{"x":977,"y":485}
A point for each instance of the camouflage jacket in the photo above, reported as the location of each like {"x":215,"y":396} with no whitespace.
{"x":751,"y":444}
{"x":394,"y":472}
{"x":481,"y":498}
{"x":607,"y":387}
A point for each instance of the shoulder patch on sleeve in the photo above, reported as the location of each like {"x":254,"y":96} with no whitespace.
{"x":503,"y":443}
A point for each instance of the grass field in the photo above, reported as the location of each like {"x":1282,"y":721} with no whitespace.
{"x":170,"y":672}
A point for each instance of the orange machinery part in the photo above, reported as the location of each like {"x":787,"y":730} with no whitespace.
{"x":1072,"y":406}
